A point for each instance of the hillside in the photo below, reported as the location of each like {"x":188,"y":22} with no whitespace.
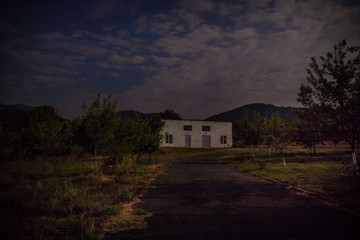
{"x":264,"y":110}
{"x":13,"y":113}
{"x":130,"y":114}
{"x":19,"y":107}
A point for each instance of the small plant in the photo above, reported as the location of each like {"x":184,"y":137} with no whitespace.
{"x":65,"y":196}
{"x":262,"y":164}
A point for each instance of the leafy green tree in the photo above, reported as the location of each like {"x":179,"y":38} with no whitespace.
{"x":50,"y":135}
{"x":10,"y":143}
{"x":121,"y":142}
{"x":272,"y":130}
{"x":310,"y":129}
{"x":333,"y":89}
{"x":169,"y":115}
{"x":144,"y":135}
{"x":153,"y":134}
{"x":100,"y":122}
{"x":249,"y":132}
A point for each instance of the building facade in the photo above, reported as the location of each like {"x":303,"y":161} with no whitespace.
{"x":196,"y":134}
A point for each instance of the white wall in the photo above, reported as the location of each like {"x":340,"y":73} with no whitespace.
{"x":217,"y":129}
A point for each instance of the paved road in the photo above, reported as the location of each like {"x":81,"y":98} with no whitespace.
{"x":201,"y":198}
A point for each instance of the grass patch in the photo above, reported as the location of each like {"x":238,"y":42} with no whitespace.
{"x":76,"y":204}
{"x":329,"y":173}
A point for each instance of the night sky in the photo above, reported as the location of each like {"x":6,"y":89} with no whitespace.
{"x":196,"y":57}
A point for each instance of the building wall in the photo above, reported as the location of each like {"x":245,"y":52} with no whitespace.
{"x":217,"y":129}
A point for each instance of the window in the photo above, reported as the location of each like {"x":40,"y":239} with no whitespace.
{"x":223,"y":140}
{"x":206,"y":128}
{"x":169,"y":138}
{"x":187,"y":128}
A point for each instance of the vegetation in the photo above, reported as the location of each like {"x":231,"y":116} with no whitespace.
{"x":48,"y":134}
{"x":328,"y":174}
{"x":77,"y":204}
{"x":86,"y":195}
{"x":332,"y":95}
{"x":169,"y":114}
{"x":100,"y":122}
{"x":270,"y":131}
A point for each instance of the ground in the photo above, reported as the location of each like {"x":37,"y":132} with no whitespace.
{"x":201,"y":198}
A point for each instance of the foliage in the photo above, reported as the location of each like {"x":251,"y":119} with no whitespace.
{"x":333,"y":92}
{"x":49,"y":133}
{"x":273,"y":130}
{"x":100,"y":121}
{"x":310,"y":129}
{"x":249,"y":132}
{"x":169,"y":114}
{"x":11,"y":146}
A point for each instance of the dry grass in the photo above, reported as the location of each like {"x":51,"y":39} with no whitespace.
{"x":76,"y":204}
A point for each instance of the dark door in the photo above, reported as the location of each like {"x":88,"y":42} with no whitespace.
{"x":206,"y":141}
{"x":188,"y":141}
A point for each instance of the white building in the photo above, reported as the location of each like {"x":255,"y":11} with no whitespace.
{"x":196,"y":134}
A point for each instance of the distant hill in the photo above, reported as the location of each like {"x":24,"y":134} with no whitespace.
{"x":235,"y":115}
{"x":13,"y":113}
{"x":20,"y":107}
{"x":130,"y":114}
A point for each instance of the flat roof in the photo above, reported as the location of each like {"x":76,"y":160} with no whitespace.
{"x":195,"y":120}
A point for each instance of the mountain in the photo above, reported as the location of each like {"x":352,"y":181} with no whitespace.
{"x":235,"y":115}
{"x":20,"y":107}
{"x":13,"y":113}
{"x":130,"y":114}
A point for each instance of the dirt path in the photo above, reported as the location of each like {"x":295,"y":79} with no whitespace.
{"x":201,"y":198}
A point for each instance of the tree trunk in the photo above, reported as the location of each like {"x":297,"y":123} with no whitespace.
{"x":138,"y":158}
{"x":55,"y":163}
{"x":269,"y":151}
{"x":45,"y":160}
{"x":150,"y":156}
{"x":95,"y":153}
{"x":354,"y":160}
{"x":283,"y":158}
{"x":314,"y":148}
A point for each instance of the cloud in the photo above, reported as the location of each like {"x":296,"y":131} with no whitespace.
{"x":252,"y":4}
{"x":104,"y":8}
{"x":198,"y":58}
{"x":226,"y":9}
{"x":284,"y":5}
{"x":213,"y":69}
{"x":198,"y":5}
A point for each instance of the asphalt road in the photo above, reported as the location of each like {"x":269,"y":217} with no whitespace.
{"x":200,"y":198}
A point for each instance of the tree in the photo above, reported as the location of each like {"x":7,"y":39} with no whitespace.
{"x":272,"y":130}
{"x":50,"y":135}
{"x":334,"y":90}
{"x":144,"y":135}
{"x":10,"y":143}
{"x":100,"y":121}
{"x":249,"y":132}
{"x":169,"y":114}
{"x":310,"y":128}
{"x":153,"y":134}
